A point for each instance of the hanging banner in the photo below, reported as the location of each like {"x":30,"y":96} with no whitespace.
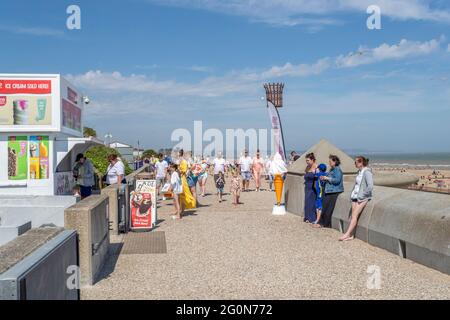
{"x":276,"y":130}
{"x":143,"y":205}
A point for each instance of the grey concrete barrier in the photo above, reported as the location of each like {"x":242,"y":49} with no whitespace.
{"x":112,"y":192}
{"x":412,"y":224}
{"x":90,"y":218}
{"x":294,"y":193}
{"x":40,"y":265}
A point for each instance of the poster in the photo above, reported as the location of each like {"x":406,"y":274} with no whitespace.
{"x":64,"y":183}
{"x":38,"y":153}
{"x":143,"y":205}
{"x":25,"y":102}
{"x":17,"y":158}
{"x":71,"y":115}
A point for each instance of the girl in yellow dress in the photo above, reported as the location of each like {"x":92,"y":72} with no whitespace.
{"x":187,"y":200}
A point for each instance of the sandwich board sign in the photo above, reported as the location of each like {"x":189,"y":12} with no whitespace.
{"x":143,"y":205}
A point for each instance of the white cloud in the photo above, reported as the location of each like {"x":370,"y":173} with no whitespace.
{"x":403,"y":49}
{"x":203,"y":69}
{"x":33,"y":31}
{"x":245,"y":81}
{"x":314,"y":13}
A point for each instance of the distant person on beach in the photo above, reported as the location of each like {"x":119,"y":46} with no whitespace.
{"x":257,"y":168}
{"x":176,"y":187}
{"x":310,"y":193}
{"x":320,"y":191}
{"x":245,"y":162}
{"x":235,"y":187}
{"x":360,"y":196}
{"x":333,"y":188}
{"x":220,"y":185}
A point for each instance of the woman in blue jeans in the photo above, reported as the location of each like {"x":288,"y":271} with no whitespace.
{"x":333,"y":188}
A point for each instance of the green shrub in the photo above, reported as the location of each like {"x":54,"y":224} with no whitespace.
{"x":99,"y":154}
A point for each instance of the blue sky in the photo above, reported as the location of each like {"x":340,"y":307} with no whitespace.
{"x":151,"y":66}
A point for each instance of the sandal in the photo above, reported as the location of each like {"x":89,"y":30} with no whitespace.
{"x":347,"y":238}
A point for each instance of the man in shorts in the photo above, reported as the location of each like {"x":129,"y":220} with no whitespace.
{"x":161,"y":172}
{"x":245,"y":162}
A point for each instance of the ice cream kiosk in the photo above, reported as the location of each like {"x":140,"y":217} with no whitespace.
{"x":41,"y":132}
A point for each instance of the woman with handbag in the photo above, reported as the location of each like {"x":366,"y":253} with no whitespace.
{"x":115,"y":174}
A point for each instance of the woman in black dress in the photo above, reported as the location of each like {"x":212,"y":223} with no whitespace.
{"x":310,"y":193}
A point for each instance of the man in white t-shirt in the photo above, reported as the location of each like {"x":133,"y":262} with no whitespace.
{"x":245,"y":162}
{"x":219,"y":165}
{"x":161,"y":173}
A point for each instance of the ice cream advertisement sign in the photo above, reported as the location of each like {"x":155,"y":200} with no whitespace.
{"x":17,"y":158}
{"x":25,"y":102}
{"x":38,"y":152}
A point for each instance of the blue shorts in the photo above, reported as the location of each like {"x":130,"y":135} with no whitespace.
{"x":319,"y":203}
{"x":220,"y":190}
{"x":192,"y":181}
{"x":246,"y":175}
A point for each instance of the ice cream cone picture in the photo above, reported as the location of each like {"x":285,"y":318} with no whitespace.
{"x":278,"y":182}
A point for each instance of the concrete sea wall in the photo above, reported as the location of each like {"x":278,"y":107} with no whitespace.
{"x":412,"y":224}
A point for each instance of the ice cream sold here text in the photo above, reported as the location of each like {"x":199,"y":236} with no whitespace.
{"x":41,"y":131}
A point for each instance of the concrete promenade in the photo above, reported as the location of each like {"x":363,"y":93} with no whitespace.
{"x":222,"y":252}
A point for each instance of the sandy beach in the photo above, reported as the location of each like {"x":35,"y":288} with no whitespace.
{"x":431,"y":180}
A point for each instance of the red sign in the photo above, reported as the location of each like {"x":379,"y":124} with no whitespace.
{"x":25,"y":86}
{"x":2,"y":101}
{"x":141,"y":210}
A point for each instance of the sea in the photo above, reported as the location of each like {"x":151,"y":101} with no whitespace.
{"x":410,"y":160}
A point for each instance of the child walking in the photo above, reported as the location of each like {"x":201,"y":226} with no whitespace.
{"x":177,"y":189}
{"x":235,"y":187}
{"x":320,"y":188}
{"x":220,"y":185}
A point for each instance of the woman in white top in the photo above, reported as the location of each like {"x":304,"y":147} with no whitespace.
{"x":176,"y":187}
{"x":116,"y":170}
{"x":360,"y":196}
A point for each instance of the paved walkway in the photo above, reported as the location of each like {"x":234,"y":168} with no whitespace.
{"x":220,"y":252}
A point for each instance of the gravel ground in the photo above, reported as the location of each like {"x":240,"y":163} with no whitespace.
{"x":222,"y":252}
